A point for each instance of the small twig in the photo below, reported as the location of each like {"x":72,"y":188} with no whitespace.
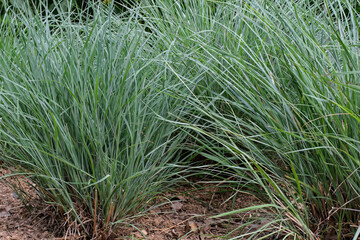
{"x":111,"y":209}
{"x":95,"y":232}
{"x":167,"y":229}
{"x":346,"y":179}
{"x":109,"y":215}
{"x":68,"y":238}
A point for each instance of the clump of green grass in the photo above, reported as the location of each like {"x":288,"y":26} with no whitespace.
{"x":275,"y":86}
{"x":96,"y":108}
{"x":82,"y":108}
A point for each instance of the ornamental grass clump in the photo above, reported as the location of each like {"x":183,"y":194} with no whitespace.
{"x":96,"y":108}
{"x":82,"y":108}
{"x":275,"y":86}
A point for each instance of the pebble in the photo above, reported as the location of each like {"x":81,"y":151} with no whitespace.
{"x":4,"y":214}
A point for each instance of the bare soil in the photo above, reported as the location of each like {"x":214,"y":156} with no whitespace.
{"x":183,"y":213}
{"x":19,"y":221}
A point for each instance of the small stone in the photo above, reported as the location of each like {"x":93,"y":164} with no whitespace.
{"x":4,"y":214}
{"x":144,"y":232}
{"x":15,"y":195}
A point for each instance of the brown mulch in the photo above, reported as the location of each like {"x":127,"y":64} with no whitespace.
{"x":19,"y":221}
{"x":184,"y":214}
{"x":180,"y":214}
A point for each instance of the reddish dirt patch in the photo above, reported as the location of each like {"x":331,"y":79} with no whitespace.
{"x":184,"y":214}
{"x":18,"y":222}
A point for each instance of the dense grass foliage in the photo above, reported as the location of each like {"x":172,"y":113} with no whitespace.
{"x":96,"y":108}
{"x":82,"y":112}
{"x":277,"y":85}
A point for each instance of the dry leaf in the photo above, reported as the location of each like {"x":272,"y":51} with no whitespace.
{"x":144,"y":232}
{"x":177,"y":206}
{"x":193,"y":226}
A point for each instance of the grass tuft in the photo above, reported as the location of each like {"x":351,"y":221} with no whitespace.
{"x":97,"y":107}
